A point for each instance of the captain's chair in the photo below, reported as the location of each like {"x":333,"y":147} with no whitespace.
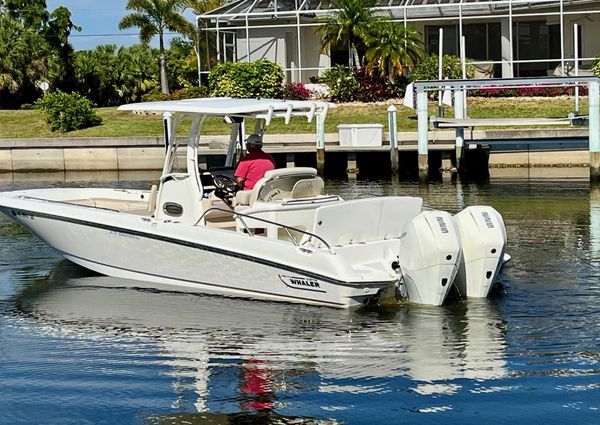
{"x":281,"y":184}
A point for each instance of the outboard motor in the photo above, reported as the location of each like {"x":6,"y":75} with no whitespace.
{"x":429,"y":257}
{"x":483,"y":240}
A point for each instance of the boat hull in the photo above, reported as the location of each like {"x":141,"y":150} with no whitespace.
{"x":195,"y":258}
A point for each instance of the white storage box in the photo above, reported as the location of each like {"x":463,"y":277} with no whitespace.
{"x":360,"y":134}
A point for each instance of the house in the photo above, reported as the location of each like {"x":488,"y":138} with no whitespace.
{"x":503,"y":38}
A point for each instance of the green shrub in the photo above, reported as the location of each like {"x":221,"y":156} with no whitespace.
{"x":596,"y":67}
{"x":189,"y":93}
{"x":155,"y":96}
{"x":68,"y":111}
{"x":343,"y":86}
{"x":427,"y":69}
{"x":184,"y":93}
{"x":246,"y":79}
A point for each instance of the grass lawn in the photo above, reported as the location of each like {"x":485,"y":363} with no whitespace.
{"x":31,"y":123}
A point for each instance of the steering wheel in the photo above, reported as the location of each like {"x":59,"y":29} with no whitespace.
{"x":225,"y":185}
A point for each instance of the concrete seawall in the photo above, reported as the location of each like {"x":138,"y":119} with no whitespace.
{"x":147,"y":153}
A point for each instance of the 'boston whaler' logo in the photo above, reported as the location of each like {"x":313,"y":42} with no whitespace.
{"x":300,"y":282}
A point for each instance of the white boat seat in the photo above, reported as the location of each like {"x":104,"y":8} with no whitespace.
{"x":276,"y":185}
{"x":307,"y":188}
{"x":221,"y":217}
{"x":379,"y":218}
{"x":242,"y":197}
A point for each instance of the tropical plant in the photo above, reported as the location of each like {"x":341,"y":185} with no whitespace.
{"x":246,"y":79}
{"x":296,"y":91}
{"x":97,"y":74}
{"x":154,"y":18}
{"x":23,"y":61}
{"x":56,"y":32}
{"x":427,"y":69}
{"x":342,"y":84}
{"x":32,"y":14}
{"x":393,"y":48}
{"x":596,"y":67}
{"x":110,"y":76}
{"x":139,"y":71}
{"x":68,"y":111}
{"x":183,"y":68}
{"x":350,"y":24}
{"x":372,"y":87}
{"x":50,"y":46}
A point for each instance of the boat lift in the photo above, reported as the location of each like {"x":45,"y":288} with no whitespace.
{"x":460,"y":87}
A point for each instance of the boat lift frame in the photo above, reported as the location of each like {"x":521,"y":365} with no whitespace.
{"x":460,"y":88}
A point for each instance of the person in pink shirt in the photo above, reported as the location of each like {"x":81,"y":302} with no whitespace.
{"x":254,"y":165}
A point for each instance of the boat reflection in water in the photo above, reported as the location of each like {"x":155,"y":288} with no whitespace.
{"x":273,"y":344}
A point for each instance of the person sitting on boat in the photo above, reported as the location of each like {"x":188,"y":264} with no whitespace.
{"x":254,"y":164}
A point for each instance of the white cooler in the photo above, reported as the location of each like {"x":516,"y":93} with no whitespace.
{"x":360,"y":135}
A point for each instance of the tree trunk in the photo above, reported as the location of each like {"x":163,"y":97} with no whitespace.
{"x":350,"y":52}
{"x":164,"y":83}
{"x":356,"y":58}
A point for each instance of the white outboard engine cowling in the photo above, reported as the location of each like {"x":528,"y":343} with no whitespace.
{"x":483,"y":240}
{"x":429,"y":257}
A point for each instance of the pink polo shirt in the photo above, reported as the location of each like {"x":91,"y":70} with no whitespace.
{"x":253,"y":167}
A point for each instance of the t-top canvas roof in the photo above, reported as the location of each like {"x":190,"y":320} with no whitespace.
{"x":225,"y":106}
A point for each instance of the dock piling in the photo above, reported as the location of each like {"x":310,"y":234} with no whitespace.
{"x":393,"y":129}
{"x":290,"y":160}
{"x":594,"y":130}
{"x":320,"y":145}
{"x":459,"y":113}
{"x":352,"y":167}
{"x":423,"y":124}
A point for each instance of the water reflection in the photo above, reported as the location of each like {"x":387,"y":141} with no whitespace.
{"x":273,"y":346}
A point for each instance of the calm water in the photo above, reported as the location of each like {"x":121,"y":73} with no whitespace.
{"x":77,"y":348}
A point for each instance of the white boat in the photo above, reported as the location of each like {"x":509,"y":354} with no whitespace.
{"x":284,"y":240}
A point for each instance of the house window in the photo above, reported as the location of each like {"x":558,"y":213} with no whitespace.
{"x":536,"y":40}
{"x":228,"y":46}
{"x":482,"y":41}
{"x":450,"y":40}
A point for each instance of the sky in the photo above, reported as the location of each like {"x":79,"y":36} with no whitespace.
{"x":99,"y":20}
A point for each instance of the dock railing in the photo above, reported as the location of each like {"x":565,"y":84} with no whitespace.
{"x":460,"y":87}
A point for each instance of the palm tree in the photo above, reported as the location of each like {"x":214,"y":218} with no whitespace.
{"x":350,"y":24}
{"x":155,"y":17}
{"x":23,"y":56}
{"x":392,"y":48}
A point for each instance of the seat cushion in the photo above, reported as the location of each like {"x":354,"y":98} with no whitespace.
{"x":242,"y":197}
